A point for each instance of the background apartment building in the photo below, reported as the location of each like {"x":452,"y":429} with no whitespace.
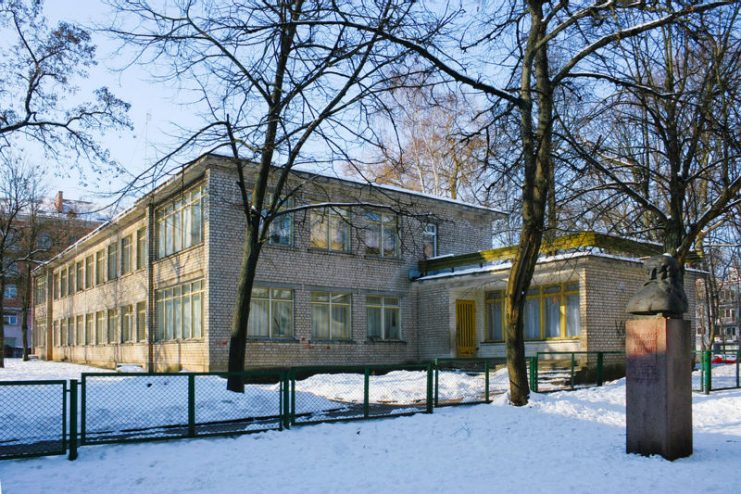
{"x":156,"y":286}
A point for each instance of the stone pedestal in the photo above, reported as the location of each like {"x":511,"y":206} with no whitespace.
{"x":658,"y":401}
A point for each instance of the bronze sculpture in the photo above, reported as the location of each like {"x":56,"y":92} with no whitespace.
{"x":663,"y":294}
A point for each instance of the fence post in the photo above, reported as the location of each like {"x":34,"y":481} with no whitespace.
{"x":437,"y":382}
{"x":573,"y":365}
{"x":738,"y":357}
{"x":600,"y":368}
{"x":72,"y":420}
{"x":292,"y":377}
{"x":534,"y":374}
{"x":83,"y":408}
{"x":366,"y":393}
{"x":285,"y":379}
{"x":429,"y":388}
{"x":707,"y":380}
{"x":486,"y":380}
{"x":191,"y":405}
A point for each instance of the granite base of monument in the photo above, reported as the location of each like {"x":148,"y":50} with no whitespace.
{"x":658,"y":401}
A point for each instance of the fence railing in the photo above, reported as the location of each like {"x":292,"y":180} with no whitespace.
{"x":716,"y":371}
{"x":33,"y":418}
{"x":125,"y":407}
{"x":558,"y":371}
{"x":468,"y":381}
{"x":342,"y":393}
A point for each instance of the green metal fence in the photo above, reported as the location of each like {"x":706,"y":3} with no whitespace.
{"x":33,"y":418}
{"x":126,"y":407}
{"x":716,"y":370}
{"x":468,"y":381}
{"x":341,"y":393}
{"x":558,"y":371}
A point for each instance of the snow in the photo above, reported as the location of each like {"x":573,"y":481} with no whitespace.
{"x":560,"y":442}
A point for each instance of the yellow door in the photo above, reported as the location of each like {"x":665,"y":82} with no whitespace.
{"x":465,"y":324}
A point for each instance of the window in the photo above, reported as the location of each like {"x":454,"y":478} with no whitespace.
{"x":100,"y":267}
{"x":141,"y":248}
{"x":10,"y":319}
{"x":89,"y":272}
{"x":495,"y":316}
{"x":11,"y":291}
{"x":330,"y":316}
{"x":56,"y":338}
{"x":384,"y":321}
{"x":63,"y":282}
{"x":179,"y":311}
{"x":89,"y":330}
{"x":126,"y":255}
{"x":39,"y":295}
{"x":79,"y":276}
{"x":63,"y":332}
{"x":382,"y":234}
{"x":180,"y":223}
{"x":550,"y":312}
{"x":56,"y":286}
{"x":271,"y":313}
{"x":70,"y":331}
{"x":44,"y":241}
{"x":112,"y":322}
{"x":429,"y":240}
{"x":112,"y":261}
{"x":100,"y":328}
{"x":330,"y":230}
{"x":80,"y":329}
{"x":70,"y":279}
{"x":141,"y":321}
{"x":127,"y":324}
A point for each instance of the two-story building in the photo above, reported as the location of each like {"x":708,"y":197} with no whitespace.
{"x":156,"y":286}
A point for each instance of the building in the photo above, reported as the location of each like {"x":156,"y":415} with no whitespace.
{"x":58,"y":223}
{"x":156,"y":286}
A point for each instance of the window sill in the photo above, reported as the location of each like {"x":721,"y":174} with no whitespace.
{"x":280,"y":246}
{"x":333,"y":342}
{"x":384,"y":341}
{"x":492,"y":342}
{"x":265,"y":339}
{"x":330,"y":252}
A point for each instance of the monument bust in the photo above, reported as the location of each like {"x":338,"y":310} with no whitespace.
{"x":663,"y":293}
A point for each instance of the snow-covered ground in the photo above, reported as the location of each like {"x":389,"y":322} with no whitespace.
{"x":561,"y":442}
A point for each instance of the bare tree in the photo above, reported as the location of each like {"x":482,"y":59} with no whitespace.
{"x":39,"y":100}
{"x":666,"y":143}
{"x":15,"y":198}
{"x":526,"y":57}
{"x":278,"y":93}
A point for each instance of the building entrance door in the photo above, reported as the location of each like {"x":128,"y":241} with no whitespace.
{"x":465,"y":324}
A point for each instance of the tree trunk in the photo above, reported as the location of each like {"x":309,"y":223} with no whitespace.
{"x":2,"y":317}
{"x":237,"y":343}
{"x":537,"y":159}
{"x":25,"y":305}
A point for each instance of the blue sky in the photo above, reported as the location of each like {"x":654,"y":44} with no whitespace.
{"x":153,"y":105}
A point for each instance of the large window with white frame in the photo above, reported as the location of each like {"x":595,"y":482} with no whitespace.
{"x":112,"y":326}
{"x":141,"y":248}
{"x":179,"y":312}
{"x":179,"y":223}
{"x":271,"y":313}
{"x":141,"y":321}
{"x":112,"y":261}
{"x":381,"y":234}
{"x":89,"y":272}
{"x":384,"y":318}
{"x":330,"y":229}
{"x":126,"y":255}
{"x":330,"y":316}
{"x":127,"y":324}
{"x":100,"y":327}
{"x":551,"y":312}
{"x":89,"y":329}
{"x":100,"y":267}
